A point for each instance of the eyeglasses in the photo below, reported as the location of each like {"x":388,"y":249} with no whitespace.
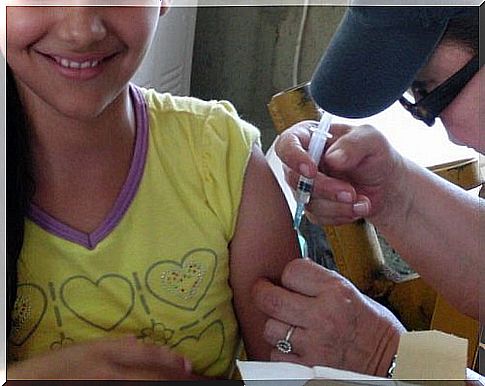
{"x":430,"y":106}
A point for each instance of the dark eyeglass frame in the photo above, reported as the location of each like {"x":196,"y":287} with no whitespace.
{"x":430,"y":107}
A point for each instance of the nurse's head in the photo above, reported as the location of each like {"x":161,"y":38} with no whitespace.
{"x":379,"y":53}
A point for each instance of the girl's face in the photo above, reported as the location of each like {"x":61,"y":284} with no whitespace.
{"x":462,"y":117}
{"x":76,"y":60}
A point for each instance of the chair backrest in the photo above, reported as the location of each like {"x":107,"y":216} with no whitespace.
{"x":358,"y":254}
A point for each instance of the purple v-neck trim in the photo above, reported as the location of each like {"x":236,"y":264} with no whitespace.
{"x":130,"y":187}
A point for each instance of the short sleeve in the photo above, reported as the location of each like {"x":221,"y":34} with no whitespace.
{"x":227,"y":141}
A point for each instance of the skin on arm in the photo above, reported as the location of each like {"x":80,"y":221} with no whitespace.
{"x":263,"y":243}
{"x":436,"y":229}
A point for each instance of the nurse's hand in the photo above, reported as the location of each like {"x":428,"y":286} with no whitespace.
{"x":122,"y":358}
{"x":360,"y":174}
{"x":335,"y":325}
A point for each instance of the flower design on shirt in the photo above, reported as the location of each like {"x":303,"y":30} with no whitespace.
{"x":157,"y":334}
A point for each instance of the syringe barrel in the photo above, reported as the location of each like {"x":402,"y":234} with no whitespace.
{"x":319,"y":137}
{"x":317,"y":145}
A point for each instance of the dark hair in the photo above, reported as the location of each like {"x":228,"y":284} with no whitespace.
{"x":20,"y":187}
{"x":464,"y":31}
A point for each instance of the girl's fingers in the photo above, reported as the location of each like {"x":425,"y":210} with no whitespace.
{"x":140,"y":354}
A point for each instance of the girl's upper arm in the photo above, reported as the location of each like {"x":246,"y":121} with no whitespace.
{"x":263,"y":243}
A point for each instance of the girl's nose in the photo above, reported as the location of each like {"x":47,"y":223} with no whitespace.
{"x":81,"y":26}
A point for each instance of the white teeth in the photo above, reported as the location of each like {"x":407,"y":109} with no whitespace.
{"x":76,"y":65}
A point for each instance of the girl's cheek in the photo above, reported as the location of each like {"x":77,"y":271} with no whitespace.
{"x":25,"y":25}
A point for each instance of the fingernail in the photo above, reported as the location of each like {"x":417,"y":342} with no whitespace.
{"x":305,"y":170}
{"x":337,"y":156}
{"x":361,"y":208}
{"x":345,"y":197}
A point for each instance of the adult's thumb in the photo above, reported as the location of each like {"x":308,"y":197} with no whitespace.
{"x":352,"y":148}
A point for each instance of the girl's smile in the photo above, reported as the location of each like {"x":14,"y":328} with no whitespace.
{"x":76,"y":62}
{"x":80,"y":67}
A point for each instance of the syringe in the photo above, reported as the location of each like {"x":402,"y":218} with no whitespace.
{"x":315,"y":150}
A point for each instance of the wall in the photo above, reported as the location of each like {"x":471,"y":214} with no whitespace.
{"x":245,"y":54}
{"x":167,"y":66}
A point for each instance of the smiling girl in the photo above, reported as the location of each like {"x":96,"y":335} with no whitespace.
{"x":137,"y":222}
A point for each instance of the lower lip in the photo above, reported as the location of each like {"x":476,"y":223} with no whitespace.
{"x":81,"y":74}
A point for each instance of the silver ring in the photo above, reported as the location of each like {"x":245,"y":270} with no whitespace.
{"x":284,"y":345}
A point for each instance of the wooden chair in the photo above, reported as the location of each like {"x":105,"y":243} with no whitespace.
{"x":357,"y":251}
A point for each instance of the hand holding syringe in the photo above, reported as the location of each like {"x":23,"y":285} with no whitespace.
{"x":315,"y":150}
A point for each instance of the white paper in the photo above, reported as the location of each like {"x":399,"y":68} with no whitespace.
{"x":290,"y":374}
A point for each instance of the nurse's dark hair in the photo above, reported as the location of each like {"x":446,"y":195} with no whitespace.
{"x":19,"y":189}
{"x":464,"y":31}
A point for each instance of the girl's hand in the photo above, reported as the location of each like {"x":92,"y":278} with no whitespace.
{"x":122,"y":358}
{"x":359,"y":175}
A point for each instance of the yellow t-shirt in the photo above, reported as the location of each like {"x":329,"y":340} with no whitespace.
{"x":158,"y":266}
